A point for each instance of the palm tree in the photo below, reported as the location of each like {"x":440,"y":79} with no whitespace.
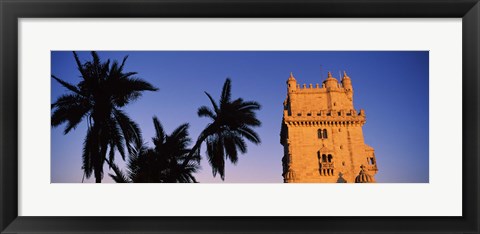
{"x":164,"y":162}
{"x":99,"y":97}
{"x":232,"y":122}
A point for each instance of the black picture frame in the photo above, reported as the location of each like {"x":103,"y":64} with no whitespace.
{"x":11,"y":11}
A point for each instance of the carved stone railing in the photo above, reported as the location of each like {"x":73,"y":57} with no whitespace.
{"x":327,"y":168}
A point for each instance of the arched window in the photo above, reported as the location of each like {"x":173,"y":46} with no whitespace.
{"x":322,"y":133}
{"x":326,"y":167}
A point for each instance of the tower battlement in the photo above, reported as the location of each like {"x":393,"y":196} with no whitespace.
{"x":317,"y":88}
{"x":324,"y":114}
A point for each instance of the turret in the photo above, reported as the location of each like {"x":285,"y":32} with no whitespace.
{"x":291,"y":83}
{"x":363,"y":177}
{"x":346,"y":81}
{"x":347,"y":85}
{"x":330,"y":82}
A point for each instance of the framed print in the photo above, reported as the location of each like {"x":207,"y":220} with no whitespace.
{"x":310,"y":116}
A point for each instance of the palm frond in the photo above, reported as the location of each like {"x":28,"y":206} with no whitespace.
{"x":204,"y":111}
{"x":123,"y":63}
{"x":127,"y":90}
{"x":180,"y":136}
{"x":226,"y":92}
{"x":159,"y":132}
{"x":240,"y":144}
{"x":79,"y":65}
{"x":96,"y":59}
{"x":216,"y":155}
{"x":130,"y":130}
{"x":249,"y":105}
{"x":215,"y":107}
{"x":116,"y":139}
{"x":71,"y":109}
{"x":87,"y":164}
{"x":119,"y":176}
{"x":111,"y":155}
{"x":251,"y":135}
{"x":231,"y":148}
{"x":67,"y":85}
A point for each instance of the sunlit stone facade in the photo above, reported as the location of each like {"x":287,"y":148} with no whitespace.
{"x":322,"y":135}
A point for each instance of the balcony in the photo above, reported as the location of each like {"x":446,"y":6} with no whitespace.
{"x":327,"y":168}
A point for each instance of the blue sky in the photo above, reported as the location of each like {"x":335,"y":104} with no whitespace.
{"x":392,"y":87}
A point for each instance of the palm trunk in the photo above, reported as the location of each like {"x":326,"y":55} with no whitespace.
{"x":103,"y":155}
{"x":203,"y":136}
{"x":193,"y":150}
{"x":96,"y":154}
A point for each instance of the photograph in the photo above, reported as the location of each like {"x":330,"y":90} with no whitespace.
{"x":321,"y":116}
{"x":239,"y":117}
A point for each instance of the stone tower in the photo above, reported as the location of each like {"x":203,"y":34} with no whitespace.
{"x":322,"y":135}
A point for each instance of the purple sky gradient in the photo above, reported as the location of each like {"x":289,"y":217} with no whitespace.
{"x":391,"y":86}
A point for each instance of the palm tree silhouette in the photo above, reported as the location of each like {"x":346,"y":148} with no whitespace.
{"x":103,"y":90}
{"x":232,"y":122}
{"x":164,"y":162}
